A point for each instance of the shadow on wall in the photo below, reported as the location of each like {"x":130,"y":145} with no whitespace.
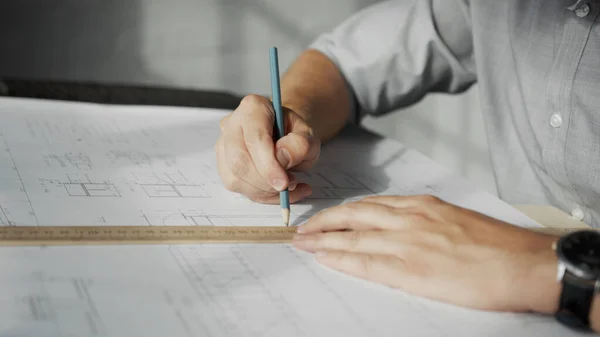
{"x":180,"y":43}
{"x":75,"y":40}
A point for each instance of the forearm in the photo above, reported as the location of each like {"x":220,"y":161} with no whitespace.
{"x":314,"y":88}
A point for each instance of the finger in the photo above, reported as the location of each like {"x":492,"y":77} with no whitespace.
{"x":366,"y":242}
{"x":257,"y":119}
{"x":238,"y":172}
{"x":399,"y":201}
{"x":383,"y":269}
{"x":266,"y":195}
{"x":354,"y":216}
{"x":298,"y":150}
{"x":299,"y":193}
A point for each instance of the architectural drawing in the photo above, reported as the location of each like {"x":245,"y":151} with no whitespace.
{"x":14,"y":194}
{"x":333,"y":184}
{"x":229,"y":280}
{"x":173,"y":190}
{"x":91,"y":190}
{"x":200,"y":218}
{"x":4,"y":220}
{"x":17,"y":213}
{"x":141,"y":159}
{"x":80,"y":185}
{"x":107,"y":168}
{"x":168,"y":185}
{"x":69,"y":160}
{"x":43,"y":307}
{"x":165,"y":218}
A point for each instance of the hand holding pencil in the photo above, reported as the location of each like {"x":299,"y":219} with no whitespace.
{"x":253,"y":161}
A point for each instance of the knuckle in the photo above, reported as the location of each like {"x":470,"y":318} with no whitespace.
{"x":370,"y":198}
{"x":419,"y":218}
{"x":230,"y":182}
{"x":239,"y":163}
{"x":428,"y":199}
{"x":350,"y":210}
{"x":415,"y":220}
{"x":354,"y":239}
{"x":223,"y":124}
{"x":252,"y":100}
{"x":255,"y":138}
{"x":366,"y":264}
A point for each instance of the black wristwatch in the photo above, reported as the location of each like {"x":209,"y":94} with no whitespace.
{"x":579,"y":272}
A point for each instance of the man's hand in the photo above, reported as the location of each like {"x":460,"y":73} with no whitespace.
{"x":434,"y":249}
{"x":252,"y":164}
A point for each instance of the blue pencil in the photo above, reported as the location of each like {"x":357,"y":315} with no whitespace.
{"x":284,"y":198}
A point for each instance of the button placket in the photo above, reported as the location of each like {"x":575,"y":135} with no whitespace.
{"x":559,"y":106}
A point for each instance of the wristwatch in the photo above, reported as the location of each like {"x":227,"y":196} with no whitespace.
{"x":579,"y":272}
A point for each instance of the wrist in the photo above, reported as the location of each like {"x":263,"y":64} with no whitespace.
{"x":307,"y":110}
{"x":315,"y":90}
{"x":544,"y":290}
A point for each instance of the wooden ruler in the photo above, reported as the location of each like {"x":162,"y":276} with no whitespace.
{"x":122,"y":235}
{"x":111,"y":235}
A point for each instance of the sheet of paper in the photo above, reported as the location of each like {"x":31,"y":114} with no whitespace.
{"x":86,"y":164}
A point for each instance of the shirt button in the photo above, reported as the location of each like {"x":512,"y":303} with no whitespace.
{"x":583,"y":11}
{"x":577,"y":214}
{"x":556,"y":120}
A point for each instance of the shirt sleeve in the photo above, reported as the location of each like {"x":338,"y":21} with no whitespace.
{"x":393,"y":53}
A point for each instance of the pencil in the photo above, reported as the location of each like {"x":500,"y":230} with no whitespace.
{"x":284,"y":199}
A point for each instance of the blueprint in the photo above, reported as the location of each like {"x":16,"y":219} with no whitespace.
{"x":66,"y":164}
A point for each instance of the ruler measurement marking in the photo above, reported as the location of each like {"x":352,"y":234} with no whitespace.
{"x":109,"y":235}
{"x":73,"y":235}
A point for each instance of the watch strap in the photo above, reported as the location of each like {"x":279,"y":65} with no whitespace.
{"x":575,"y":302}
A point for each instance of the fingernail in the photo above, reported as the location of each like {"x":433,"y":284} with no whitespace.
{"x":300,"y":229}
{"x":278,"y":184}
{"x":283,"y":157}
{"x":292,"y":186}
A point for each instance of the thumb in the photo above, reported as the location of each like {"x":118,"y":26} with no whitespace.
{"x":297,"y":149}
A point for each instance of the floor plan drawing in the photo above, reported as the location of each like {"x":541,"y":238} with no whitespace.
{"x":333,"y":184}
{"x":165,"y":218}
{"x":141,"y":159}
{"x":173,"y":190}
{"x":80,"y":185}
{"x":79,"y":161}
{"x":208,"y":218}
{"x":168,"y":185}
{"x":78,"y":164}
{"x":4,"y":220}
{"x":91,"y":189}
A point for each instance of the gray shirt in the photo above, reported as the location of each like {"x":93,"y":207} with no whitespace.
{"x":537,"y":65}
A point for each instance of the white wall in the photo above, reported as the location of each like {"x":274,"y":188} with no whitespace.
{"x":216,"y":44}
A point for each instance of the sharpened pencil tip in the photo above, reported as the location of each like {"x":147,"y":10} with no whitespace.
{"x":285,"y":212}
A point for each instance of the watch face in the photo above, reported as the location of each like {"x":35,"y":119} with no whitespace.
{"x":582,"y":251}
